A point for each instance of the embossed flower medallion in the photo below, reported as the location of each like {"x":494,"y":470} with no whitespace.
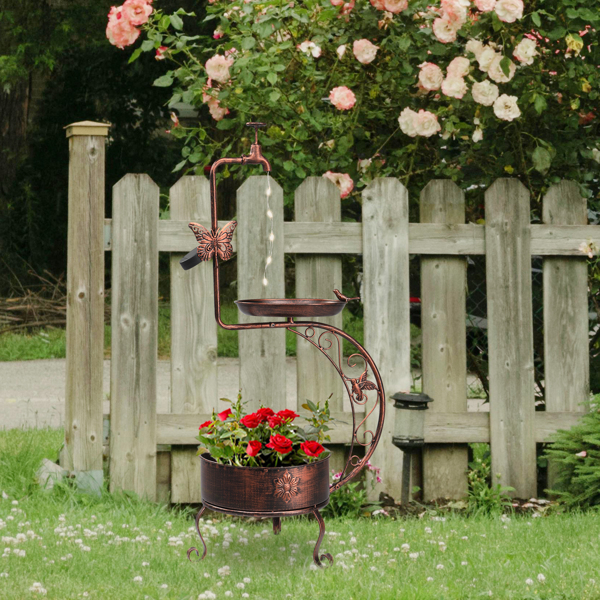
{"x":286,"y":487}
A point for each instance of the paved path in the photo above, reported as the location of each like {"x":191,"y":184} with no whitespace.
{"x":32,"y":392}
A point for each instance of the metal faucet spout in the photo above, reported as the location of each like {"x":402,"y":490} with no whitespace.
{"x":256,"y":156}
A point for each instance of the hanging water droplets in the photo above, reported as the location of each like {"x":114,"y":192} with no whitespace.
{"x":270,"y":229}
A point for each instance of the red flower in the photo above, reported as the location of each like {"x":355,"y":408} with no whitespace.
{"x":275,"y":421}
{"x":264,"y":413}
{"x":251,"y":421}
{"x":312,"y":448}
{"x":253,"y":448}
{"x":160,"y":52}
{"x":280,"y":444}
{"x":288,"y":414}
{"x":206,"y":424}
{"x":223,"y":415}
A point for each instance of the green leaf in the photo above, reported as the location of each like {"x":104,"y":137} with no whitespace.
{"x":557,"y":33}
{"x":176,"y":21}
{"x":540,"y":104}
{"x":272,"y":78}
{"x":248,"y":43}
{"x":535,"y":17}
{"x":288,"y":165}
{"x":541,"y":160}
{"x":164,"y":81}
{"x":179,"y":166}
{"x":505,"y":65}
{"x":274,"y":95}
{"x":135,"y":55}
{"x":147,"y":45}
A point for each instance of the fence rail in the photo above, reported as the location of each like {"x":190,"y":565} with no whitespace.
{"x":140,"y":457}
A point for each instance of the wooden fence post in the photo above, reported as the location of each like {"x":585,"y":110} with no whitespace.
{"x":510,"y":336}
{"x":566,"y":342}
{"x":193,"y":337}
{"x":262,"y":352}
{"x":443,"y":320}
{"x":317,"y":275}
{"x":134,"y":335}
{"x":85,"y":304}
{"x":387,"y":311}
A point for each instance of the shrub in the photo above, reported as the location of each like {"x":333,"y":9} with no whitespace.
{"x":575,"y":454}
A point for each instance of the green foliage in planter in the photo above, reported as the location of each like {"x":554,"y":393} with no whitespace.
{"x":575,"y":454}
{"x":350,"y":500}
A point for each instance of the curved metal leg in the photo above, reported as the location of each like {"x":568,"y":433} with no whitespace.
{"x":193,"y":549}
{"x":276,"y":525}
{"x":316,"y":556}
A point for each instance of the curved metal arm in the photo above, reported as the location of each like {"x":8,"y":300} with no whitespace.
{"x":355,"y":388}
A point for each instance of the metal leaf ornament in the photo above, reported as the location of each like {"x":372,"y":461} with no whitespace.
{"x":218,"y":241}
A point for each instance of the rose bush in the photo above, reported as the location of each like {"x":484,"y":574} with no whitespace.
{"x":265,"y":438}
{"x":453,"y":89}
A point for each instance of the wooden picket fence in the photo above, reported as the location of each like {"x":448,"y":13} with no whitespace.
{"x":155,"y":454}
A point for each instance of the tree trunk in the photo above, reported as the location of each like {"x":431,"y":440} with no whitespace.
{"x":14,"y":110}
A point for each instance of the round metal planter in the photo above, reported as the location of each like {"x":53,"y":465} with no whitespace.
{"x":268,"y":490}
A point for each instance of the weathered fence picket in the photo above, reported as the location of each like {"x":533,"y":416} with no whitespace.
{"x":510,"y":335}
{"x":193,"y":338}
{"x":134,"y":341}
{"x":566,"y":345}
{"x":444,"y":341}
{"x":262,"y":352}
{"x":318,"y":200}
{"x":386,"y":299}
{"x":155,"y":454}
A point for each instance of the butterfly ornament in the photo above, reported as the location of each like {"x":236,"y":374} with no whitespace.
{"x":214,"y":242}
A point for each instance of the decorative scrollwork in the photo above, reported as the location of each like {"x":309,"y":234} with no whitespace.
{"x":356,"y":388}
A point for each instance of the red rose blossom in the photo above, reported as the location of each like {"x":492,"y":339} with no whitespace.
{"x":288,"y":414}
{"x":251,"y":421}
{"x":223,"y":415}
{"x":253,"y":448}
{"x":275,"y":421}
{"x":264,"y":414}
{"x":312,"y":448}
{"x":280,"y":444}
{"x":205,"y":424}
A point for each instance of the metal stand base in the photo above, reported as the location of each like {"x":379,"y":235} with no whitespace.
{"x":276,"y":527}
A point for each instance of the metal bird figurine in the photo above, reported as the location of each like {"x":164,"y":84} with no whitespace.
{"x":360,"y":384}
{"x":343,"y":298}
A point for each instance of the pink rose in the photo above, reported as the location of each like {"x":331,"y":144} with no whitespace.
{"x":217,"y":68}
{"x":378,"y":4}
{"x":430,"y":76}
{"x":216,"y":110}
{"x":444,"y":30}
{"x":218,"y":33}
{"x":455,"y":87}
{"x":310,"y":48}
{"x":364,"y":51}
{"x":119,"y":31}
{"x":485,"y":5}
{"x":426,"y":123}
{"x":509,"y":10}
{"x":342,"y":180}
{"x":582,"y":454}
{"x":395,"y":6}
{"x":337,"y":2}
{"x":458,"y":67}
{"x":342,"y":98}
{"x":137,"y":11}
{"x":160,"y":52}
{"x":455,"y":11}
{"x":496,"y":73}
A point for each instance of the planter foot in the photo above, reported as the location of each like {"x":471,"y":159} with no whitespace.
{"x":276,"y":525}
{"x":316,"y":556}
{"x":201,"y":538}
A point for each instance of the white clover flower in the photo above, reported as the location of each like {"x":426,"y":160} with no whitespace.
{"x":439,"y":567}
{"x":247,"y":580}
{"x":244,"y":595}
{"x":223,"y":571}
{"x":414,"y":555}
{"x":541,"y":578}
{"x":228,"y":593}
{"x":38,"y":588}
{"x":427,"y":529}
{"x":164,"y":586}
{"x":464,"y":563}
{"x":240,"y":585}
{"x":430,"y":579}
{"x":138,"y":579}
{"x":529,"y":581}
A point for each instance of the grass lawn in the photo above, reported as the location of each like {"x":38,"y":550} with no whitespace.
{"x":118,"y":547}
{"x":50,"y":343}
